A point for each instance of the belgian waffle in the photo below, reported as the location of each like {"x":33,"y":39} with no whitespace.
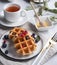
{"x":14,"y":33}
{"x":24,"y":45}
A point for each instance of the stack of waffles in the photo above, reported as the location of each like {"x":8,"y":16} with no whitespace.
{"x":23,"y":41}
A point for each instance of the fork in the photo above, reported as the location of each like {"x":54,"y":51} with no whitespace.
{"x":47,"y":52}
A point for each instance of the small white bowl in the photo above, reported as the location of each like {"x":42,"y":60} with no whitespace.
{"x":43,"y":19}
{"x":53,"y":19}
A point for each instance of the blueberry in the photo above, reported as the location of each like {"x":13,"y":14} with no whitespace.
{"x":27,"y":37}
{"x":6,"y":52}
{"x":33,"y":35}
{"x":36,"y":40}
{"x":6,"y":37}
{"x":4,"y":45}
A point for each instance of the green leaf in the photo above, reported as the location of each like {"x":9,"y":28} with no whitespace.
{"x":55,"y":4}
{"x":51,"y":10}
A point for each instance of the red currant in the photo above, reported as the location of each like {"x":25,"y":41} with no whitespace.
{"x":26,"y":32}
{"x":4,"y":41}
{"x":22,"y":35}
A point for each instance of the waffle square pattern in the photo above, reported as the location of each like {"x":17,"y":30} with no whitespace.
{"x":23,"y":41}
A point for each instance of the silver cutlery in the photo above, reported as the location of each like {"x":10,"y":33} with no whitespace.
{"x":47,"y":52}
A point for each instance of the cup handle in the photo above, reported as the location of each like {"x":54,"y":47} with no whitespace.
{"x":23,"y":13}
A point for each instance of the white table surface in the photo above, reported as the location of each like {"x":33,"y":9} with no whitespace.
{"x":45,"y":35}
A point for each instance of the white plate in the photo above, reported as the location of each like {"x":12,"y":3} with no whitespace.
{"x":12,"y":24}
{"x":12,"y":51}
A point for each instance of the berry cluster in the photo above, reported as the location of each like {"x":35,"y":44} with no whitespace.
{"x":4,"y":45}
{"x":36,"y":37}
{"x":23,"y":33}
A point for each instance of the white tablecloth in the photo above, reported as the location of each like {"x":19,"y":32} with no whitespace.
{"x":45,"y":36}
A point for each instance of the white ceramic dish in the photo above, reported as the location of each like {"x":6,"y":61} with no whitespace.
{"x":44,"y":19}
{"x":51,"y":5}
{"x":12,"y":53}
{"x":12,"y":24}
{"x":53,"y":19}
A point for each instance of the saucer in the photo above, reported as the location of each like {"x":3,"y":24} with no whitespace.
{"x":6,"y":23}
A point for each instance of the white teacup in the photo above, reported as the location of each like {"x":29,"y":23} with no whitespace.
{"x":13,"y":12}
